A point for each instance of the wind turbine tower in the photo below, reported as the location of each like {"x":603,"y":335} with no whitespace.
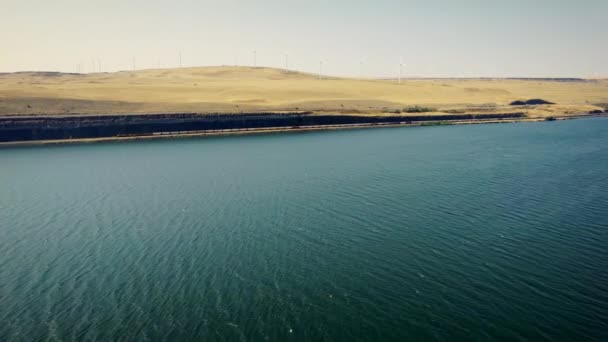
{"x":400,"y":71}
{"x":320,"y":70}
{"x":360,"y":70}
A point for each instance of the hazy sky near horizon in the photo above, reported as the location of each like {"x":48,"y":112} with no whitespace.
{"x":535,"y":38}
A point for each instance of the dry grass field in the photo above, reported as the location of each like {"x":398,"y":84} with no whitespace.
{"x":247,"y":89}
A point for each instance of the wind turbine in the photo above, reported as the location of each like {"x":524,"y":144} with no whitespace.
{"x":320,"y":69}
{"x":180,"y":58}
{"x":360,"y":70}
{"x":286,"y":62}
{"x":400,"y":66}
{"x":255,"y":58}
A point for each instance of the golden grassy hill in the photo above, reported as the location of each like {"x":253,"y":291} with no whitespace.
{"x":245,"y":89}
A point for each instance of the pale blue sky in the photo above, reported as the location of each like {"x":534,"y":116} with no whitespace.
{"x":435,"y":38}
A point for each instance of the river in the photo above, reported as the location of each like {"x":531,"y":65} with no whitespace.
{"x":469,"y":232}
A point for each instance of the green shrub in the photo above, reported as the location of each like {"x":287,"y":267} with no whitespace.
{"x":418,"y":109}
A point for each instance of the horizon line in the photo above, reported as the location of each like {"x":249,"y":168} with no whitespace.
{"x":411,"y":77}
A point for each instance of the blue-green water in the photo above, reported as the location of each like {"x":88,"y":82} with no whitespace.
{"x":480,"y":232}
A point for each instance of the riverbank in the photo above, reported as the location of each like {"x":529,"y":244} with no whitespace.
{"x":241,"y":126}
{"x":157,"y":103}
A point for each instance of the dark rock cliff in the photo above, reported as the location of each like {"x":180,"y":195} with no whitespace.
{"x":78,"y":127}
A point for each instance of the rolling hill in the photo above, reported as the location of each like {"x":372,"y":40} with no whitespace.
{"x":248,"y":89}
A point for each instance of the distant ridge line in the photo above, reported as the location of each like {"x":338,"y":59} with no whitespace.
{"x":548,"y":79}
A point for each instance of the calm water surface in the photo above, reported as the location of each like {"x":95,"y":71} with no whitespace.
{"x":480,"y":232}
